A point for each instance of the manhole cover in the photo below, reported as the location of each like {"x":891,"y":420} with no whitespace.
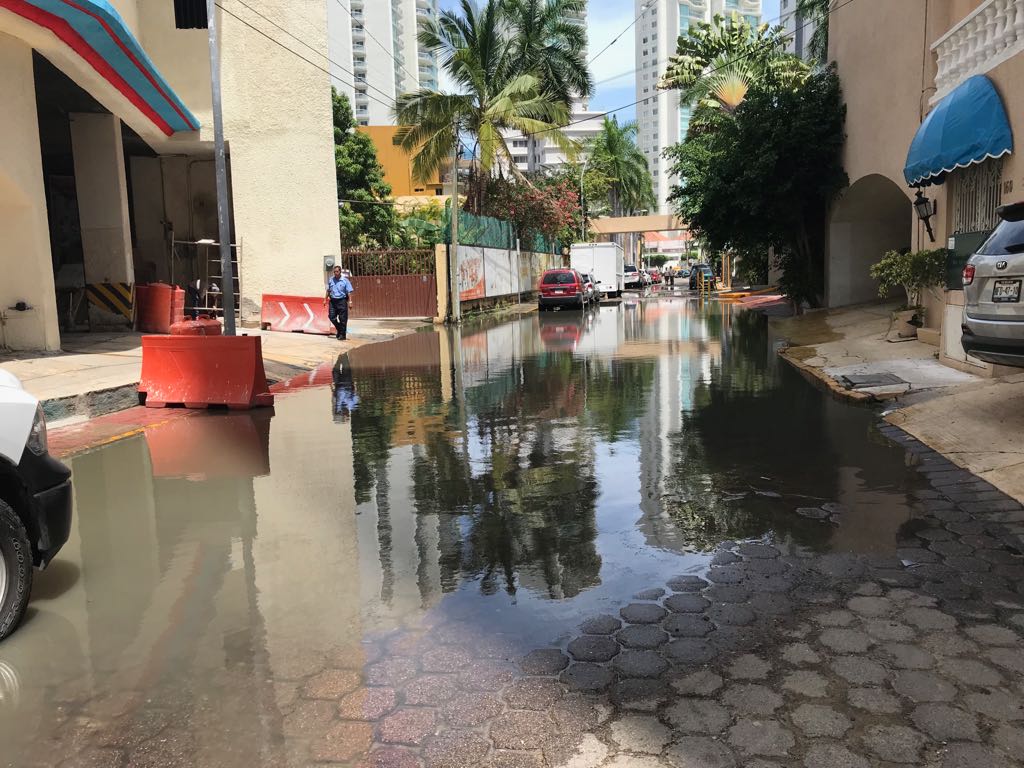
{"x":868,"y":380}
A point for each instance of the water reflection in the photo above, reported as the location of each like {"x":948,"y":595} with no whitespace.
{"x":507,"y":476}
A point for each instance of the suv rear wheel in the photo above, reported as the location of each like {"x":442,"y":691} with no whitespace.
{"x":15,"y":570}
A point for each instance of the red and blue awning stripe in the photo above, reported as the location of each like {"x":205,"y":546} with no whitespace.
{"x":97,"y":33}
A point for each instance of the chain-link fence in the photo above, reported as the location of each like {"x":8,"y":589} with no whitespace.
{"x":489,"y":232}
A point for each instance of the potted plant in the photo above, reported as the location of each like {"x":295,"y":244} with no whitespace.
{"x":913,"y":271}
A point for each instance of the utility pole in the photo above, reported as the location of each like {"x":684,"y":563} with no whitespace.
{"x":583,"y":205}
{"x":453,"y":253}
{"x":227,"y":269}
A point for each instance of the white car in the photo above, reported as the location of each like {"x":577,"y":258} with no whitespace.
{"x":35,"y":500}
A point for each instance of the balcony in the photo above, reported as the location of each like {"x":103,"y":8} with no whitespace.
{"x":984,"y":39}
{"x":423,"y":5}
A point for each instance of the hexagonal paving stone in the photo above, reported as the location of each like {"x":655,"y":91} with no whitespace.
{"x":545,"y":661}
{"x":702,"y":683}
{"x":825,"y":755}
{"x":905,"y":656}
{"x":872,"y":607}
{"x":643,"y":613}
{"x":687,"y":584}
{"x":727,"y":593}
{"x":928,"y":619}
{"x":859,"y":671}
{"x":757,"y":551}
{"x":991,"y":634}
{"x":761,"y":737}
{"x":655,"y":593}
{"x":640,"y":664}
{"x":470,"y":709}
{"x":846,"y":640}
{"x":640,"y":694}
{"x":699,"y":716}
{"x":749,"y":667}
{"x":431,"y":690}
{"x":686,"y":603}
{"x":732,"y":615}
{"x":873,"y":700}
{"x":923,"y":686}
{"x":700,"y":752}
{"x":771,"y":604}
{"x":689,"y":650}
{"x":640,"y":733}
{"x":799,"y":654}
{"x":593,"y":648}
{"x":533,"y":693}
{"x":817,"y":721}
{"x":945,"y":723}
{"x":1008,"y":658}
{"x":587,"y":677}
{"x":391,"y":672}
{"x":456,"y":749}
{"x":406,"y":726}
{"x":973,"y":756}
{"x":339,"y":743}
{"x":806,"y":683}
{"x":834,"y":618}
{"x":601,"y":625}
{"x":642,"y":636}
{"x":367,"y":704}
{"x":752,"y":699}
{"x":727,"y":574}
{"x":687,"y":625}
{"x":971,"y":672}
{"x":485,"y":676}
{"x":997,"y":705}
{"x":894,"y":743}
{"x":331,"y":684}
{"x":520,"y":730}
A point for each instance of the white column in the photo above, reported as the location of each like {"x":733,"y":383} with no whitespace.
{"x":102,"y":198}
{"x":25,"y":263}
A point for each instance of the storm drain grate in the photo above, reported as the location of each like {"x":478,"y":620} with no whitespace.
{"x":869,"y":380}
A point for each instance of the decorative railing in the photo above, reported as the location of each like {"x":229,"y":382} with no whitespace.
{"x":985,"y":38}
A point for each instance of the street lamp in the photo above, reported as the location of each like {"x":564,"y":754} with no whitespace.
{"x":925,"y":209}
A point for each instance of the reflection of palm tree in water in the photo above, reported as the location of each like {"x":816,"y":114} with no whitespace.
{"x":343,"y":390}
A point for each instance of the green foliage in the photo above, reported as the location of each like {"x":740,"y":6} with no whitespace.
{"x":597,"y":186}
{"x":716,"y":64}
{"x":913,"y":271}
{"x":817,"y":12}
{"x":765,"y":176}
{"x":371,"y":221}
{"x":548,"y":208}
{"x":615,"y":155}
{"x":421,"y":226}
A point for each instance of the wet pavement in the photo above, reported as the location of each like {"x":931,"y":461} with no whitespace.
{"x":626,"y":537}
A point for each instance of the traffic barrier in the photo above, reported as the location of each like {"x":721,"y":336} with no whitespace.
{"x":115,"y":298}
{"x":300,"y":314}
{"x":200,"y":371}
{"x":158,"y":306}
{"x":204,"y":325}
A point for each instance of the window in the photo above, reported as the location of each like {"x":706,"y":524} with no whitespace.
{"x":645,"y":39}
{"x":977,"y":193}
{"x":559,"y":278}
{"x":646,"y":90}
{"x":190,"y":14}
{"x":519,"y":143}
{"x":752,"y":20}
{"x":785,"y":4}
{"x":645,"y":51}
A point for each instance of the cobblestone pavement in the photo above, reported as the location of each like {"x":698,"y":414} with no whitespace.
{"x":768,"y":659}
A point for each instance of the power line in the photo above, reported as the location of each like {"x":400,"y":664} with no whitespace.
{"x":647,"y":6}
{"x":378,"y":42}
{"x":355,"y":77}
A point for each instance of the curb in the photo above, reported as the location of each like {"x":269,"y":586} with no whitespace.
{"x":822,"y":379}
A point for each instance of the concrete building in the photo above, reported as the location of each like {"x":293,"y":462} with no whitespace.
{"x":662,"y":119}
{"x":923,"y":52}
{"x":397,"y":164}
{"x":799,"y":30}
{"x":106,"y":156}
{"x":375,"y":56}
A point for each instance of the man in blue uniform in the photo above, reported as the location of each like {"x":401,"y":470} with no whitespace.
{"x":339,"y":289}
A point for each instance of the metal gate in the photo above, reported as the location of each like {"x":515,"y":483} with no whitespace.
{"x":392,"y":283}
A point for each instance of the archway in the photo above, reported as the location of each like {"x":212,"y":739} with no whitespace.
{"x":873,"y":216}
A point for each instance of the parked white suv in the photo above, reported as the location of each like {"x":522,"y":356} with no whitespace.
{"x":993,"y":326}
{"x":35,"y":500}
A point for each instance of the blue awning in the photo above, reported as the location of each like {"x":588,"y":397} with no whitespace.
{"x":968,"y":126}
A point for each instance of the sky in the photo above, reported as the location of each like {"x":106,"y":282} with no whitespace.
{"x":613,"y":69}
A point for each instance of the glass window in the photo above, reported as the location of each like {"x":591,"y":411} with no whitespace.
{"x":1008,"y":238}
{"x":559,"y":278}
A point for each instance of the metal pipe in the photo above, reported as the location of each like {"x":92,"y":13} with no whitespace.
{"x":227,"y":269}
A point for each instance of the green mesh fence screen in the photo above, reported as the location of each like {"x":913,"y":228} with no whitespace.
{"x":489,"y":232}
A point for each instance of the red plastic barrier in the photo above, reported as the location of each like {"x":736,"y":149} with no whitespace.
{"x":158,"y":306}
{"x":199,"y":371}
{"x":303,"y":314}
{"x":202,"y":326}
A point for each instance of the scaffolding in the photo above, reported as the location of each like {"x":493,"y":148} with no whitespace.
{"x":196,"y":266}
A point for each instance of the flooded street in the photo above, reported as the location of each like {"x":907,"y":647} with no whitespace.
{"x":365,"y":566}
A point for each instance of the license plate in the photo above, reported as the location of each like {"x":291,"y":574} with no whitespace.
{"x":1006,"y":291}
{"x":558,"y":290}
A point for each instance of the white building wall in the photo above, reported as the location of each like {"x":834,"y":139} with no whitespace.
{"x":661,"y":119}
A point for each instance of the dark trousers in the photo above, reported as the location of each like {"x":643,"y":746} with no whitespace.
{"x":338,"y":314}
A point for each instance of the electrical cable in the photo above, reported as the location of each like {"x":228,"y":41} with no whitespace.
{"x":378,"y":42}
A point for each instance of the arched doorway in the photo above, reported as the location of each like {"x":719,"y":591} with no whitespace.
{"x":873,"y":216}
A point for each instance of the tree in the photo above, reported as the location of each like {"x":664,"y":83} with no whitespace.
{"x":364,"y":211}
{"x":497,"y":95}
{"x":548,"y":207}
{"x":716,"y":64}
{"x":816,"y":12}
{"x":765,"y":176}
{"x":614,"y":153}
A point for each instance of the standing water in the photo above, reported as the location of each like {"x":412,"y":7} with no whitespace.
{"x":416,"y":518}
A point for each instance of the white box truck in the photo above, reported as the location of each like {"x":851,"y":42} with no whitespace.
{"x":605,"y":264}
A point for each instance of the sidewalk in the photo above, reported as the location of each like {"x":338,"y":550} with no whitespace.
{"x":97,"y":373}
{"x":974,"y":422}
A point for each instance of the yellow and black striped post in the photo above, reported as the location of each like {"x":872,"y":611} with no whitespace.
{"x":115,"y":298}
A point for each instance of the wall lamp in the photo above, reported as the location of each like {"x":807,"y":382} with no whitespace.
{"x":925,"y":209}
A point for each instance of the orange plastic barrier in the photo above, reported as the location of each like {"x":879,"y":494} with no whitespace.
{"x":199,"y":371}
{"x":158,"y":306}
{"x":301,"y":314}
{"x":204,"y":325}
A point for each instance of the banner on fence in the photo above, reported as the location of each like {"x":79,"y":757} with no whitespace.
{"x":471,"y":273}
{"x":498,"y":272}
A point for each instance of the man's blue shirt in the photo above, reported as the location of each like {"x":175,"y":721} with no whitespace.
{"x":339,"y":287}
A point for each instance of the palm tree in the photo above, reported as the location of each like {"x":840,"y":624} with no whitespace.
{"x":496,"y":94}
{"x":816,"y":11}
{"x":614,"y":152}
{"x":717,"y":63}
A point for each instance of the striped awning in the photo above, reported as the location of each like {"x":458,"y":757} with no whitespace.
{"x":95,"y":31}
